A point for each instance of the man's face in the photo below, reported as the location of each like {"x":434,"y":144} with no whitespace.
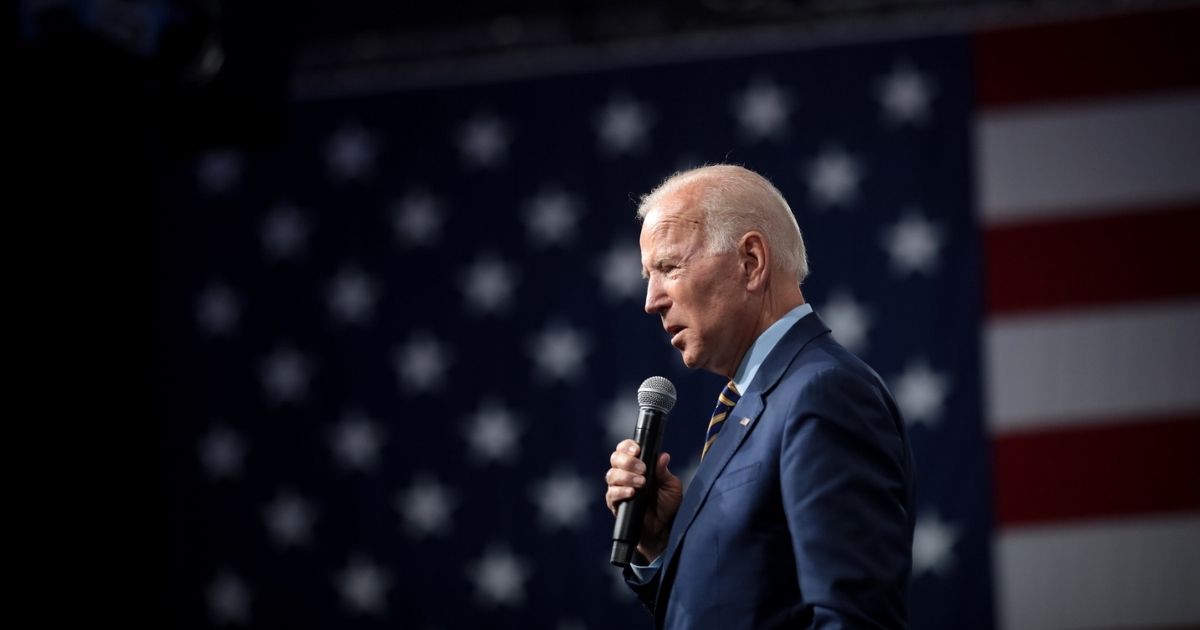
{"x":698,"y":295}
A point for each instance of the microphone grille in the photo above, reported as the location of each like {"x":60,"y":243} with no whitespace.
{"x":657,"y":392}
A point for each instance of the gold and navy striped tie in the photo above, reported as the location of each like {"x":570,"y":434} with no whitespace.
{"x":725,"y":402}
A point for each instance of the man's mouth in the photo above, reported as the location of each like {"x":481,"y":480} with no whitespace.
{"x":674,"y":331}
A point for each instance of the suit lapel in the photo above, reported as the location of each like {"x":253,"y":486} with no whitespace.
{"x":732,"y":435}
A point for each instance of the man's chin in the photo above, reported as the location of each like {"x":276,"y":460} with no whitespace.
{"x":690,"y":361}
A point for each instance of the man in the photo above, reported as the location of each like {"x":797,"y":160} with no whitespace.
{"x":801,"y":511}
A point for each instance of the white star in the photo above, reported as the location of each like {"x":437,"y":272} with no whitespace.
{"x":849,"y":320}
{"x":351,"y":153}
{"x":289,"y":518}
{"x":499,"y":578}
{"x":417,"y":218}
{"x":426,"y":506}
{"x":229,"y":599}
{"x":484,"y":141}
{"x":623,"y":124}
{"x":561,"y":499}
{"x":833,"y":177}
{"x":763,"y":109}
{"x":488,"y":285}
{"x":421,"y":363}
{"x":933,"y":546}
{"x":284,"y":232}
{"x":222,"y":453}
{"x":905,"y":94}
{"x":551,"y":217}
{"x":363,"y":587}
{"x":352,"y":295}
{"x":285,"y":374}
{"x":218,"y":310}
{"x":356,"y":442}
{"x":558,"y":351}
{"x":913,"y":243}
{"x":492,"y":433}
{"x":621,"y":415}
{"x":621,"y":272}
{"x":219,"y":171}
{"x":920,"y":392}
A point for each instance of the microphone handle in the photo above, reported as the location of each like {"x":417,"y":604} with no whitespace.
{"x":628,"y":528}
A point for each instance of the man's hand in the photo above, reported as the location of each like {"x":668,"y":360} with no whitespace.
{"x":626,"y":476}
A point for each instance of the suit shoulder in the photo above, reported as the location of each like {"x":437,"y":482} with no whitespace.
{"x":827,"y":362}
{"x":827,"y":380}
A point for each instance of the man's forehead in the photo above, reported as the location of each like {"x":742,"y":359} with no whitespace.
{"x":668,"y":233}
{"x":668,"y":237}
{"x":673,"y":214}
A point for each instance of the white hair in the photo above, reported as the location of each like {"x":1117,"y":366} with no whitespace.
{"x":736,"y":200}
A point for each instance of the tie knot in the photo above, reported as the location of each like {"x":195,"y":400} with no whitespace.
{"x":730,"y":395}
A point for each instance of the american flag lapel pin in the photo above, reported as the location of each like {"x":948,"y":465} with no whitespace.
{"x":744,"y":422}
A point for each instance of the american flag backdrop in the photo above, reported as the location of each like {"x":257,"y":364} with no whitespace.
{"x":1087,"y":155}
{"x":397,"y":346}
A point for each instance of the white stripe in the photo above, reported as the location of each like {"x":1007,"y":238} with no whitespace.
{"x":1067,"y":160}
{"x":1090,"y":366}
{"x":1136,"y":573}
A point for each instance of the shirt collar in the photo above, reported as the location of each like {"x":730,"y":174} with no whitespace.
{"x":763,"y":346}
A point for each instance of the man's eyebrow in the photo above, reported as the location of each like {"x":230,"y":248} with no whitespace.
{"x":659,"y":263}
{"x":655,"y":265}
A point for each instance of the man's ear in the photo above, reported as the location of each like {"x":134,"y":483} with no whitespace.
{"x":755,"y":259}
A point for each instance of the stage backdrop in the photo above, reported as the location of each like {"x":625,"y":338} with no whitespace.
{"x":397,"y":346}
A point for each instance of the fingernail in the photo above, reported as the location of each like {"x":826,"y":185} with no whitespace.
{"x":639,"y":481}
{"x":631,"y":449}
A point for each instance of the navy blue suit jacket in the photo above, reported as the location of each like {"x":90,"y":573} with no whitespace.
{"x":801,"y":514}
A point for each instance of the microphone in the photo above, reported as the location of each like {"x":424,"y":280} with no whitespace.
{"x":656,"y":397}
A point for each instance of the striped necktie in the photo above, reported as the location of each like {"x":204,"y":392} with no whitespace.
{"x":725,"y":402}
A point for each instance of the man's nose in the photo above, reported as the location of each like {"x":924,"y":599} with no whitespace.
{"x":656,"y":298}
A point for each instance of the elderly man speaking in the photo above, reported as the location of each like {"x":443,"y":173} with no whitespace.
{"x":801,"y":512}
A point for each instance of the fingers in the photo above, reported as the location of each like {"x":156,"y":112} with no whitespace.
{"x":627,"y":447}
{"x":626,"y":475}
{"x":617,"y":495}
{"x":618,"y":477}
{"x":625,"y":458}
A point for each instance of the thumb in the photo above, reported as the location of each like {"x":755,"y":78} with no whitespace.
{"x":663,"y":472}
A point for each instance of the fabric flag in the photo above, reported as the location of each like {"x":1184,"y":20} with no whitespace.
{"x":1088,"y":166}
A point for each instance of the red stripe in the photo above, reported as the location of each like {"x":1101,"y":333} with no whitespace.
{"x":1102,"y":57}
{"x":1094,"y":260}
{"x":1089,"y":472}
